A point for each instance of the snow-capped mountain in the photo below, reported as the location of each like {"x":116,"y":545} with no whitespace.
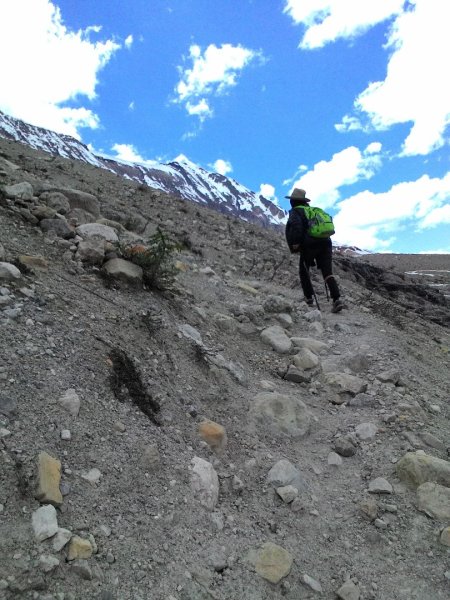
{"x":182,"y":178}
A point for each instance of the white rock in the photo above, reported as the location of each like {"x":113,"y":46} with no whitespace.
{"x":334,"y":459}
{"x":61,"y":538}
{"x":71,"y":402}
{"x":306,"y":359}
{"x":65,"y":434}
{"x":48,"y":563}
{"x":205,"y":483}
{"x":312,"y":583}
{"x":287,"y":493}
{"x":96,"y":229}
{"x":45,"y":523}
{"x":380,"y":486}
{"x":276,"y":337}
{"x":93,"y":476}
{"x":366,"y":431}
{"x":190,"y":332}
{"x":9,"y":272}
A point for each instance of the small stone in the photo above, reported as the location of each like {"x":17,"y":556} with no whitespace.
{"x":344,"y":446}
{"x":44,"y":522}
{"x":79,"y":548}
{"x":61,"y":538}
{"x":380,"y":486}
{"x":312,"y":583}
{"x":366,"y":431}
{"x":348,"y":591}
{"x":71,"y":402}
{"x":369,"y":508}
{"x":82,"y":569}
{"x":273,"y":562}
{"x":213,"y":434}
{"x":9,"y":272}
{"x":48,"y":563}
{"x":151,"y":458}
{"x":417,"y":467}
{"x":4,"y":433}
{"x":334,"y":459}
{"x":8,"y":406}
{"x":48,"y":480}
{"x":93,"y":476}
{"x":445,"y":536}
{"x":204,"y":483}
{"x":380,"y":524}
{"x":120,"y":427}
{"x":66,"y":435}
{"x":287,"y":493}
{"x":284,"y":473}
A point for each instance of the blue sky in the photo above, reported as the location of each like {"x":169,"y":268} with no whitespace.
{"x":348,"y":99}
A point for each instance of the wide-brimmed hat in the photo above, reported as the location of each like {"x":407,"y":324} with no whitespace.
{"x":298,"y":194}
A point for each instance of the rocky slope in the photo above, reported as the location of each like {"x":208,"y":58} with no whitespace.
{"x":216,"y":440}
{"x":183,"y":179}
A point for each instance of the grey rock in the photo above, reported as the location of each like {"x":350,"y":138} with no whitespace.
{"x":297,"y":375}
{"x":313,"y":316}
{"x":204,"y":483}
{"x":58,"y":227}
{"x":48,"y":563}
{"x":417,"y":467}
{"x":44,"y":522}
{"x":343,"y":382}
{"x":276,"y":337}
{"x":151,"y":458}
{"x":348,"y":591}
{"x":363,"y":401}
{"x":71,"y":402}
{"x":312,"y":344}
{"x":380,"y":486}
{"x":287,"y":493}
{"x":334,"y":459}
{"x":366,"y":431}
{"x":284,"y":473}
{"x":344,"y":446}
{"x":434,"y":500}
{"x":281,"y":413}
{"x":9,"y":272}
{"x":19,"y":191}
{"x":83,"y":200}
{"x":121,"y":269}
{"x":92,"y":251}
{"x":306,"y":359}
{"x":61,"y":538}
{"x":277,"y":304}
{"x":190,"y":332}
{"x":312,"y":583}
{"x":390,"y":376}
{"x":57,"y":201}
{"x":82,"y":569}
{"x":431,"y":440}
{"x":8,"y":405}
{"x":90,"y":230}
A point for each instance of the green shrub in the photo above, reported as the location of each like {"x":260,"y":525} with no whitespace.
{"x":156,"y":259}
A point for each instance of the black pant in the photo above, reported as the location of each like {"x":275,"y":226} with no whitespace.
{"x":317,"y":252}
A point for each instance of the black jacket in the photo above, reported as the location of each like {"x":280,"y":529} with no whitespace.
{"x":296,"y":228}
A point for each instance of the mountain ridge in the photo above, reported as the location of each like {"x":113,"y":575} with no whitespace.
{"x":184,"y":178}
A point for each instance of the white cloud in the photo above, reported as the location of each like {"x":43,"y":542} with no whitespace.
{"x":416,"y":89}
{"x":128,"y":153}
{"x":131,"y":105}
{"x":373,"y":221}
{"x":128,"y":41}
{"x":328,"y":20}
{"x":322,"y":183}
{"x":268,"y":191}
{"x":45,"y":64}
{"x":222,"y":166}
{"x":212,"y":72}
{"x":417,"y":85}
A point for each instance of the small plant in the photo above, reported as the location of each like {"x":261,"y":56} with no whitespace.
{"x":156,"y":260}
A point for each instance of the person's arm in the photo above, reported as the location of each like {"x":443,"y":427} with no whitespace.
{"x":298,"y":229}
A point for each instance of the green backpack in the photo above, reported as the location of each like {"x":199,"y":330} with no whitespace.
{"x":320,"y":223}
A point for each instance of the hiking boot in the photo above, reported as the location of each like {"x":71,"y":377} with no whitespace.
{"x":309,"y":301}
{"x":337,"y":306}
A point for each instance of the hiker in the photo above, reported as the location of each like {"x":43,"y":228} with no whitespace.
{"x":313,"y":250}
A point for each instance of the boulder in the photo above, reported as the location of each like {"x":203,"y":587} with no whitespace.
{"x":83,"y":200}
{"x":92,"y":251}
{"x":284,"y":474}
{"x":204,"y":483}
{"x":345,"y":383}
{"x":283,"y":414}
{"x":434,"y":500}
{"x":19,"y":191}
{"x":312,"y":344}
{"x":57,"y":201}
{"x":90,"y":230}
{"x":306,"y":359}
{"x":59,"y":227}
{"x":276,"y":337}
{"x":417,"y":468}
{"x":9,"y":272}
{"x":121,"y":269}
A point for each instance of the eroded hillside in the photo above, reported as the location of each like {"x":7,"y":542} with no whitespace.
{"x":217,"y":439}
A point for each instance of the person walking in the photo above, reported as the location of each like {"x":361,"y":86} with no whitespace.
{"x":312,"y":250}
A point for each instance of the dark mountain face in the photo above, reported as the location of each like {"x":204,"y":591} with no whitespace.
{"x":183,"y":179}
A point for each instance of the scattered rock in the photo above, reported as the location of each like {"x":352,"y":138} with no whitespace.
{"x":9,"y":272}
{"x":79,"y":548}
{"x":334,"y":459}
{"x":276,"y":337}
{"x":282,"y":413}
{"x":296,"y":375}
{"x":71,"y":402}
{"x":151,"y":458}
{"x":213,"y":434}
{"x":48,"y":563}
{"x":277,"y":304}
{"x":19,"y":191}
{"x":380,"y":486}
{"x":61,"y":538}
{"x":306,"y":359}
{"x":312,"y":583}
{"x":434,"y":500}
{"x":312,"y":344}
{"x":82,"y":569}
{"x":204,"y":483}
{"x":343,"y":382}
{"x":38,"y":263}
{"x":287,"y":493}
{"x":366,"y":431}
{"x":90,"y":230}
{"x":121,"y":269}
{"x":273,"y":562}
{"x":417,"y":467}
{"x":345,"y":446}
{"x":369,"y":508}
{"x":285,"y":474}
{"x":93,"y":476}
{"x":44,"y":522}
{"x":59,"y":227}
{"x":444,"y":538}
{"x":348,"y":591}
{"x":48,"y":480}
{"x":431,"y":440}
